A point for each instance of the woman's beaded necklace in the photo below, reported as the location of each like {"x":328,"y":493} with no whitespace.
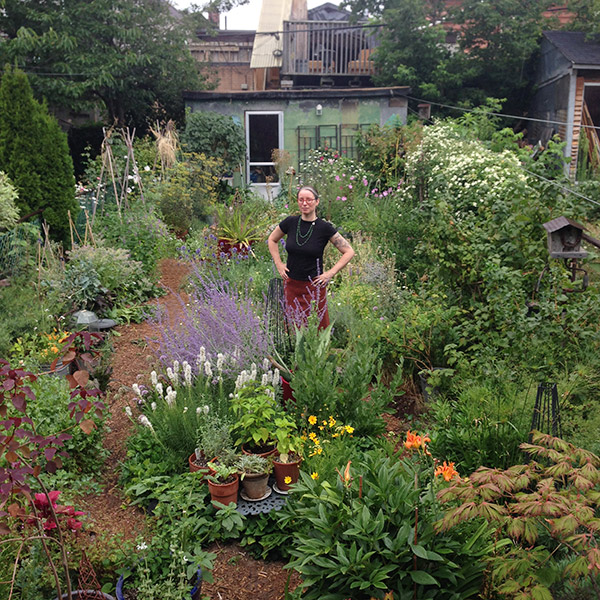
{"x":302,"y":238}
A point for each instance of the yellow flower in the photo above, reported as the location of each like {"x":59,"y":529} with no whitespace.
{"x":312,"y":419}
{"x":54,"y":349}
{"x":349,"y":428}
{"x":332,"y":422}
{"x":321,"y":427}
{"x":314,"y":475}
{"x":287,"y":480}
{"x":312,"y":436}
{"x":334,"y":435}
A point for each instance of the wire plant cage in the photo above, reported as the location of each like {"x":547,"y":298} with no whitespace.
{"x":546,"y":411}
{"x":277,"y":323}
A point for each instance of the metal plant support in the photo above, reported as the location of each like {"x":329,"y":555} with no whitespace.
{"x":546,"y":412}
{"x":276,"y":321}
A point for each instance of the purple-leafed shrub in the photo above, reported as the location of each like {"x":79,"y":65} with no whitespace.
{"x":220,"y":317}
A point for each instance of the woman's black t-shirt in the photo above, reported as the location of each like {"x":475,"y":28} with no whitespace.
{"x":305,"y":247}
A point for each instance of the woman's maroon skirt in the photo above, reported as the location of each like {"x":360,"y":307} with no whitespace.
{"x":301,"y":298}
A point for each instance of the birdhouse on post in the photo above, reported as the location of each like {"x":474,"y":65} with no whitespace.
{"x":564,"y":238}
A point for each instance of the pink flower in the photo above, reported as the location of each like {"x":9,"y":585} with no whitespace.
{"x":365,"y":182}
{"x":344,"y":198}
{"x":337,"y":177}
{"x":349,"y":186}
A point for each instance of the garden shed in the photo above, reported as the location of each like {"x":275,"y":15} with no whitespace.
{"x":567,"y":100}
{"x":299,"y":120}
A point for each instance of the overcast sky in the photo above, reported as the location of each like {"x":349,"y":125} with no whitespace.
{"x":245,"y":17}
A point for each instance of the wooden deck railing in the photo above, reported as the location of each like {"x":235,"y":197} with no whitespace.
{"x":326,"y":48}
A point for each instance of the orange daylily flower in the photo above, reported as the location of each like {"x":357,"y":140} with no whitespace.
{"x":414,"y":441}
{"x":446,"y":470}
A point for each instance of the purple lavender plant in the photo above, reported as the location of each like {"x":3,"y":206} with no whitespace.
{"x":219,"y":317}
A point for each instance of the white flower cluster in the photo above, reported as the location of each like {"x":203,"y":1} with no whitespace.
{"x":268,"y":377}
{"x":143,"y":419}
{"x":171,"y":396}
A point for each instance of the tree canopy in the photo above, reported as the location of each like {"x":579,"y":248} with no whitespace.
{"x":494,"y":54}
{"x":131,"y":57}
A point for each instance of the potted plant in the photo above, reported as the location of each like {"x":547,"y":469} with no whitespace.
{"x":43,"y":350}
{"x":254,"y":475}
{"x":239,"y":227}
{"x":214,"y":438}
{"x":256,"y":413}
{"x":286,"y":465}
{"x":223,"y":484}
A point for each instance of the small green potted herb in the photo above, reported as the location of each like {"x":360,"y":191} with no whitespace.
{"x":254,"y":475}
{"x":223,"y":483}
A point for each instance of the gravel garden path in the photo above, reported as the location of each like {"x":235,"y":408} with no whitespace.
{"x":237,"y":576}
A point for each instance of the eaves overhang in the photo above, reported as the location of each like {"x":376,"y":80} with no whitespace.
{"x":316,"y":93}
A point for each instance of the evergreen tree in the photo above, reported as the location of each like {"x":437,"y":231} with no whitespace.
{"x":35,"y":155}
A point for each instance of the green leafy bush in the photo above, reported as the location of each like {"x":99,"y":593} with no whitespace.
{"x":215,"y":135}
{"x":123,"y":277}
{"x":189,"y":192}
{"x":35,"y":155}
{"x":141,"y":232}
{"x":371,"y":531}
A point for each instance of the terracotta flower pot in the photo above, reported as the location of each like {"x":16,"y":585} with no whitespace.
{"x":195,"y":468}
{"x":255,"y":485}
{"x":283,"y":470}
{"x":224,"y":492}
{"x":265,"y":452}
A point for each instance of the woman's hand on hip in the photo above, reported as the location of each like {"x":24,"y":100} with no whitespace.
{"x":323,"y":279}
{"x":283,"y":271}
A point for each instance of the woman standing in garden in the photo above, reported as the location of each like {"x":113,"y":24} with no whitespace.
{"x":303,"y":276}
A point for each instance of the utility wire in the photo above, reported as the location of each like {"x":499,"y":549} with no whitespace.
{"x":495,"y":114}
{"x":558,"y":185}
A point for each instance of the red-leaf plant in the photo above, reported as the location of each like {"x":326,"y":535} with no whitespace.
{"x":554,"y":498}
{"x":26,"y":453}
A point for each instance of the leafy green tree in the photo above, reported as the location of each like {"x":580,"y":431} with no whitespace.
{"x":35,"y":155}
{"x":129,"y":56}
{"x":494,"y":55}
{"x":586,"y":16}
{"x":499,"y":44}
{"x":412,"y":47}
